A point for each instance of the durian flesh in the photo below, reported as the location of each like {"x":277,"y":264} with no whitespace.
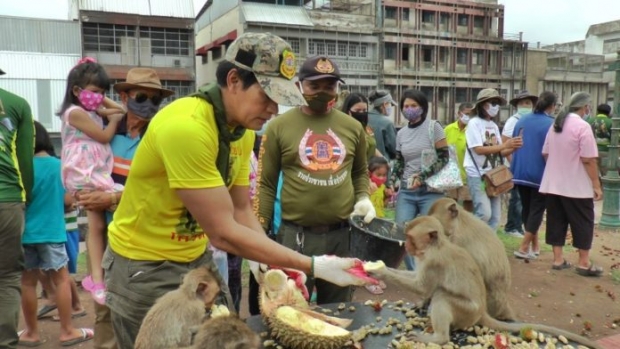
{"x":297,"y":330}
{"x":219,"y":310}
{"x":371,"y":266}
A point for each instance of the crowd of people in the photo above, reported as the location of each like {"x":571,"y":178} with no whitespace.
{"x":191,"y":184}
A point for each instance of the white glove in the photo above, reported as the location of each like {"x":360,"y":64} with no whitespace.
{"x":365,"y":208}
{"x":334,"y":269}
{"x":258,"y":270}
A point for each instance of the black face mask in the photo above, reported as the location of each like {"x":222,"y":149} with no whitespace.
{"x":361,"y":116}
{"x":145,"y":110}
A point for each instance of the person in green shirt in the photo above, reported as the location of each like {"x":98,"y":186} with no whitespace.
{"x":16,"y":177}
{"x":601,"y":126}
{"x":455,"y":135}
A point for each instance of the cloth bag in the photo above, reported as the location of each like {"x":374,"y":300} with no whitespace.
{"x":449,"y":177}
{"x":496,"y":181}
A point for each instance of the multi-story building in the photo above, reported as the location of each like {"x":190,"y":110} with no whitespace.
{"x":450,"y":49}
{"x":124,"y":34}
{"x":603,"y":40}
{"x":37,"y":62}
{"x":566,"y":73}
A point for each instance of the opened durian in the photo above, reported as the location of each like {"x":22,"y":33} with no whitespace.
{"x":297,"y":329}
{"x":290,"y":319}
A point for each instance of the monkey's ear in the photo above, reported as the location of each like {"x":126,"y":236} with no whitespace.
{"x":201,"y":288}
{"x":433,"y":235}
{"x":454,"y":211}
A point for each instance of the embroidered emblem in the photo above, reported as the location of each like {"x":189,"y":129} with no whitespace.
{"x":324,"y":66}
{"x":321,"y":152}
{"x":288,"y":65}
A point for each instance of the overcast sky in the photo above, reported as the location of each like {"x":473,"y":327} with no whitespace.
{"x":547,"y":21}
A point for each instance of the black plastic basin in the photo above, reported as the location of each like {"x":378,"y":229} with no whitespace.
{"x":380,"y":239}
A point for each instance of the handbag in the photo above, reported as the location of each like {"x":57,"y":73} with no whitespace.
{"x":497,"y":180}
{"x":449,"y":177}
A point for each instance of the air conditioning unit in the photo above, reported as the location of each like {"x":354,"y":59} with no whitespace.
{"x":177,"y":63}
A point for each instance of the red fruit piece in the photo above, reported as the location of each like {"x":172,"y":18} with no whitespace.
{"x":359,"y":272}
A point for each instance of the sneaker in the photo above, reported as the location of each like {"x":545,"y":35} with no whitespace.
{"x":515,"y":233}
{"x":522,"y":255}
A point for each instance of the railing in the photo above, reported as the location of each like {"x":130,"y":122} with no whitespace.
{"x":513,"y":36}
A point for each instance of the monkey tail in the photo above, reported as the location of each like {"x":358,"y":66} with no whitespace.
{"x":492,"y":323}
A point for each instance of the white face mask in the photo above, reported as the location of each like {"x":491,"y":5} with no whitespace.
{"x":464,"y":119}
{"x":388,"y":110}
{"x":493,"y":110}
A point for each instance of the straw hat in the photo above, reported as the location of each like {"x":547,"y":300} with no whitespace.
{"x":142,"y":78}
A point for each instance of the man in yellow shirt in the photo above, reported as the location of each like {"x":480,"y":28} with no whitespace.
{"x":455,"y":135}
{"x":189,"y":184}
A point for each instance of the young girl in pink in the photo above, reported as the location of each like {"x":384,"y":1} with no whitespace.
{"x":87,"y":159}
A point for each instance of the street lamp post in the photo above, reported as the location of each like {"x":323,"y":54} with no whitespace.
{"x":611,"y":181}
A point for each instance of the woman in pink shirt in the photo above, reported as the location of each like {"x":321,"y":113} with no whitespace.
{"x":571,"y":183}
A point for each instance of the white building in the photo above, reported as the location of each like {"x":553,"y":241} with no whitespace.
{"x":36,"y":57}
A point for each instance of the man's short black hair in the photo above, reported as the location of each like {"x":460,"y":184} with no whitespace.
{"x":603,"y":109}
{"x":465,"y":105}
{"x":224,"y":67}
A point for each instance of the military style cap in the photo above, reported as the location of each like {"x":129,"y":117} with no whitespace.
{"x":272,"y":61}
{"x":319,"y":67}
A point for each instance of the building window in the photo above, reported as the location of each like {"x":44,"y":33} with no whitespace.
{"x":106,"y":37}
{"x":428,"y":17}
{"x":390,"y":50}
{"x":405,"y":14}
{"x":331,"y":49}
{"x":168,"y":41}
{"x":427,"y":54}
{"x":477,"y":57}
{"x":461,"y":95}
{"x":337,"y":49}
{"x":405,"y":53}
{"x":181,"y":88}
{"x":390,"y":12}
{"x":444,"y":19}
{"x":461,"y":56}
{"x":462,"y":20}
{"x":205,"y":58}
{"x":295,"y":44}
{"x":478,"y":22}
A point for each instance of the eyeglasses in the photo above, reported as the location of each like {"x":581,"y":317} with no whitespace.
{"x":141,"y":97}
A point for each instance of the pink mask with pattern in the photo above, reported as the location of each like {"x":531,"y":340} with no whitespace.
{"x":90,"y":100}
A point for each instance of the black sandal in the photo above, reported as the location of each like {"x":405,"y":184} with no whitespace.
{"x":564,"y":265}
{"x":593,"y":270}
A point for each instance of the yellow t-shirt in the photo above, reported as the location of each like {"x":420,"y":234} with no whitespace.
{"x":178,"y":151}
{"x":455,"y":136}
{"x":378,"y":200}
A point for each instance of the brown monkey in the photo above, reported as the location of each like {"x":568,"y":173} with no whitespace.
{"x":176,"y":316}
{"x":448,"y":275}
{"x":226,"y":332}
{"x":482,"y":243}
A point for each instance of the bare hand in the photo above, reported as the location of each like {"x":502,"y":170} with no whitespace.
{"x":389,"y":192}
{"x":95,"y":200}
{"x":415,"y":183}
{"x":514,"y":143}
{"x":373,"y":187}
{"x":598,"y":193}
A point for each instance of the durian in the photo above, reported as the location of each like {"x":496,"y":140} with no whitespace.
{"x":371,"y":266}
{"x":219,"y":310}
{"x":296,"y":329}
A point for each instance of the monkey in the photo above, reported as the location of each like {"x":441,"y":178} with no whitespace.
{"x":448,"y":275}
{"x":226,"y":332}
{"x":482,"y":243}
{"x":177,"y":315}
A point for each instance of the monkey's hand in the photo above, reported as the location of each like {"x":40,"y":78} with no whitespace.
{"x":365,"y":208}
{"x":334,"y":269}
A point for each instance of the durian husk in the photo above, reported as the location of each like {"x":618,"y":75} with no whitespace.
{"x":299,"y":330}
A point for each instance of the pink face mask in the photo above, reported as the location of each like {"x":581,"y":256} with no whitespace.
{"x":90,"y":100}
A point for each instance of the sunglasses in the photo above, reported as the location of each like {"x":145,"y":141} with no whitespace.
{"x":141,"y":97}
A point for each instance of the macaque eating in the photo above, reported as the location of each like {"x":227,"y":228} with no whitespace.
{"x":449,"y":277}
{"x":176,"y":316}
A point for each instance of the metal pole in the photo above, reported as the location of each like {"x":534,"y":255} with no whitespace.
{"x":611,"y":181}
